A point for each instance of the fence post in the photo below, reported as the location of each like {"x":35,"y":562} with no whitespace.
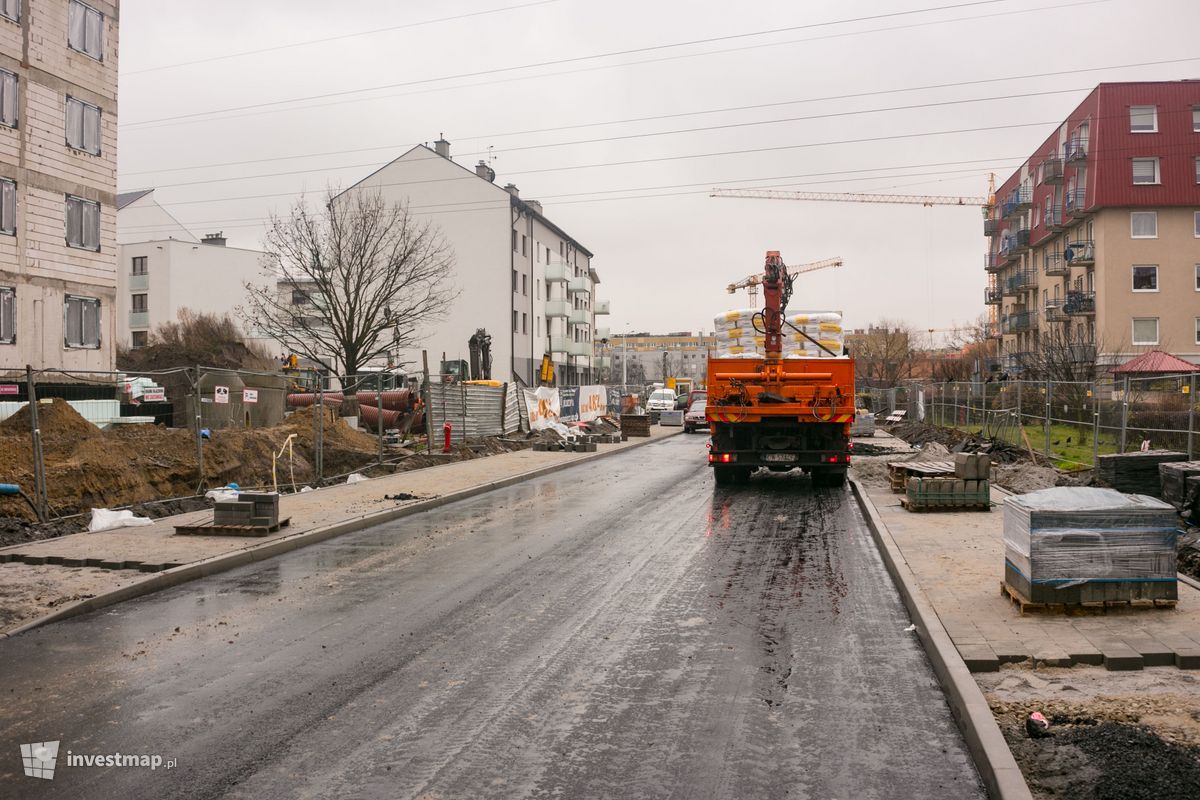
{"x":320,"y":436}
{"x":39,"y":467}
{"x":1124,"y":413}
{"x":196,"y":399}
{"x":1020,"y":421}
{"x":1191,"y":411}
{"x":428,"y":402}
{"x":1095,"y":425}
{"x":379,"y":405}
{"x":1049,"y":413}
{"x":462,"y":393}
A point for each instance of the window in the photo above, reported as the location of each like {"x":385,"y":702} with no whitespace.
{"x":1196,"y":119}
{"x":8,"y":98}
{"x":1197,"y":169}
{"x":524,"y":247}
{"x":139,"y":338}
{"x":514,"y":320}
{"x":1145,"y":170}
{"x":81,"y":323}
{"x":1143,"y":224}
{"x":300,"y":297}
{"x":524,"y":322}
{"x":514,"y":281}
{"x":514,"y":238}
{"x":1197,"y":330}
{"x":83,"y":223}
{"x":83,"y":126}
{"x":1143,"y":119}
{"x":85,"y":30}
{"x":8,"y":207}
{"x":11,"y":9}
{"x":1145,"y":278}
{"x":8,"y":315}
{"x":547,"y":255}
{"x":139,"y":265}
{"x":1196,"y":224}
{"x":539,"y":288}
{"x":525,"y":285}
{"x":138,"y":303}
{"x":1145,"y":330}
{"x":1197,"y":277}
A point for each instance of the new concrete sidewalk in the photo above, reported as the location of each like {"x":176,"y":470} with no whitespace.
{"x":76,"y":572}
{"x":958,"y":560}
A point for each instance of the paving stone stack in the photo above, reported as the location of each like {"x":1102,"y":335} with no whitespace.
{"x":635,"y":425}
{"x":1088,"y":546}
{"x":261,"y":510}
{"x":1135,"y":473}
{"x":1174,"y":478}
{"x":1191,"y":509}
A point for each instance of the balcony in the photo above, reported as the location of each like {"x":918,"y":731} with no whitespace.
{"x":991,"y":227}
{"x":559,"y":344}
{"x":603,"y":333}
{"x":993,"y":262}
{"x":601,"y":307}
{"x":1080,"y":302}
{"x":601,"y":362}
{"x":1017,"y":202}
{"x":139,"y":282}
{"x":992,"y":296}
{"x":1008,"y":251}
{"x":1082,"y":353}
{"x":579,"y":349}
{"x":558,"y":308}
{"x":580,"y":285}
{"x":1018,"y":362}
{"x":1054,"y":264}
{"x":1080,"y":254}
{"x":1021,"y":282}
{"x":139,"y":319}
{"x":1052,"y":170}
{"x":1075,"y":150}
{"x":1053,"y":218}
{"x":1021,"y":240}
{"x":992,"y":331}
{"x":1074,"y":201}
{"x":1019,"y":322}
{"x":1054,"y":311}
{"x":580,"y":316}
{"x":556,"y":273}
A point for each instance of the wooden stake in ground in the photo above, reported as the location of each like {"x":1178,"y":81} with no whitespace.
{"x":39,"y":469}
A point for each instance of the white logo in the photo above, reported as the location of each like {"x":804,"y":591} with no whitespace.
{"x":39,"y":759}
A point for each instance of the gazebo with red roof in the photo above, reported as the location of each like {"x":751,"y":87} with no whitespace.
{"x":1156,"y":362}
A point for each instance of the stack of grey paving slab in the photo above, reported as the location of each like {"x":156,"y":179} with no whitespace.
{"x":1135,"y":473}
{"x":1174,"y":477}
{"x":260,"y":510}
{"x":1083,"y":545}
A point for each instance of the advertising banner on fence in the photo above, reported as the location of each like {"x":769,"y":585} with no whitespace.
{"x":593,"y":402}
{"x":545,"y":410}
{"x":568,"y":398}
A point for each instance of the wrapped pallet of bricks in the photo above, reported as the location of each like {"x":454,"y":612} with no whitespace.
{"x":1082,"y":546}
{"x":1174,"y":477}
{"x":1137,"y":472}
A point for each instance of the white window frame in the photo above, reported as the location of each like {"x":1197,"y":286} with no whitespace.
{"x":1133,"y":277}
{"x":1197,"y":277}
{"x":83,"y":20}
{"x":1133,"y":110}
{"x":85,"y":341}
{"x":11,"y":10}
{"x":8,"y":207}
{"x":143,"y":262}
{"x":1196,"y":119}
{"x":1197,"y":330}
{"x":1133,"y":215}
{"x":133,"y":305}
{"x":1196,"y":224}
{"x":8,"y":315}
{"x":83,"y":121}
{"x":9,"y":98}
{"x":1133,"y":330}
{"x":1156,"y":177}
{"x":88,"y":209}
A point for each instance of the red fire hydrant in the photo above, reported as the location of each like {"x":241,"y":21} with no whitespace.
{"x":446,"y":429}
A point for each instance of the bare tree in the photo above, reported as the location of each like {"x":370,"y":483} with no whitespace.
{"x":212,"y":340}
{"x":884,"y":354}
{"x":351,"y":283}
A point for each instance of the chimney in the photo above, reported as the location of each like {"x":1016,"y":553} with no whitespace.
{"x":217,"y":239}
{"x":484,"y":171}
{"x":536,"y":206}
{"x":511,"y":188}
{"x":441,"y":147}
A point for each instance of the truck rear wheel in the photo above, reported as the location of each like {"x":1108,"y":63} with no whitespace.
{"x":723,"y":475}
{"x":829,"y":477}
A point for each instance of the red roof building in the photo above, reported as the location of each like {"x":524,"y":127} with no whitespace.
{"x":1156,"y":362}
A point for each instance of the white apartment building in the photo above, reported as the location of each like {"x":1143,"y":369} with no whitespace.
{"x":527,"y":281}
{"x":163,"y":267}
{"x":58,"y":177}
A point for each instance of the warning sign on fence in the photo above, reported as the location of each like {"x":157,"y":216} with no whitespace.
{"x":154,"y":396}
{"x":221,"y":394}
{"x":249,"y":395}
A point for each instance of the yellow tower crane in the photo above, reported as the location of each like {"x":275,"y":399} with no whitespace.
{"x":751,"y":282}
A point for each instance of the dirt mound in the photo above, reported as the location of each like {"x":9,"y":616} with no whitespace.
{"x":56,"y":418}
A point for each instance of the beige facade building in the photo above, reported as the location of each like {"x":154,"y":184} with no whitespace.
{"x":686,"y":356}
{"x":58,"y":176}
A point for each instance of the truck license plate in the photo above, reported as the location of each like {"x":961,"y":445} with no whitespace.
{"x":779,"y":457}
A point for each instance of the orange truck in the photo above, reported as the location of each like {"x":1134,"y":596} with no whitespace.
{"x":780,"y":412}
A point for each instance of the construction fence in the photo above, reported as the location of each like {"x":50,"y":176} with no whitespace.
{"x":1069,"y":423}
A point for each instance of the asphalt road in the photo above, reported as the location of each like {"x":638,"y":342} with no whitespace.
{"x":621,"y":629}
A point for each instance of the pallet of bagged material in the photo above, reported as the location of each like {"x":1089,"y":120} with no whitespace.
{"x":1137,"y":472}
{"x":1174,"y":478}
{"x":213,"y":529}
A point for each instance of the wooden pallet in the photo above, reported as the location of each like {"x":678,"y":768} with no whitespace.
{"x":1027,"y":606}
{"x":212,"y":529}
{"x":900,"y":471}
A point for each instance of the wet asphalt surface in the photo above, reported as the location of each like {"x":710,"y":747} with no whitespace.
{"x":621,"y":629}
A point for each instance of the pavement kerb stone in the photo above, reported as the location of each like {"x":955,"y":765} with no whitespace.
{"x":993,"y":758}
{"x":227,"y":561}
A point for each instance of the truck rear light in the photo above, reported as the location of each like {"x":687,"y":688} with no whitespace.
{"x":721,"y":458}
{"x":837,"y":459}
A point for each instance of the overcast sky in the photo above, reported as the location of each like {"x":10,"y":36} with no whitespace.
{"x":541,"y":82}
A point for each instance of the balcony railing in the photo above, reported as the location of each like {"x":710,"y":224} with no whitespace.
{"x":1082,"y":353}
{"x":559,"y":344}
{"x":1019,"y":322}
{"x":1018,"y":201}
{"x":1074,"y":201}
{"x":1076,"y":149}
{"x":1080,"y":254}
{"x":1053,"y":263}
{"x":557,"y":308}
{"x":139,"y":281}
{"x":1052,"y":170}
{"x":1080,"y":302}
{"x":1021,"y":240}
{"x":1008,"y":250}
{"x":1021,"y":282}
{"x":1054,"y":311}
{"x":992,"y":331}
{"x":580,"y":316}
{"x":603,"y":333}
{"x":1017,"y":362}
{"x":991,"y":227}
{"x":556,"y":273}
{"x":602,"y":362}
{"x":992,"y":296}
{"x":580,"y":285}
{"x":579,"y":348}
{"x":139,"y":319}
{"x":993,"y":262}
{"x":1053,"y":217}
{"x":601,"y":307}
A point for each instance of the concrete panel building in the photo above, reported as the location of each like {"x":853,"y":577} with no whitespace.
{"x":1094,"y":243}
{"x":58,"y":176}
{"x":684,"y":354}
{"x":530,"y":283}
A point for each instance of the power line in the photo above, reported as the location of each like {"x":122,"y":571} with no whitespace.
{"x":571,"y":60}
{"x":340,"y":37}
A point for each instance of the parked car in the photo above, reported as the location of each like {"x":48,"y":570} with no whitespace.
{"x":681,"y":403}
{"x":694,"y":419}
{"x":661,"y":400}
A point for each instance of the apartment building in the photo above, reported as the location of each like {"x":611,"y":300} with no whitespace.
{"x":163,"y":267}
{"x":528,"y":282}
{"x":58,"y":176}
{"x":1094,"y":243}
{"x":686,"y":356}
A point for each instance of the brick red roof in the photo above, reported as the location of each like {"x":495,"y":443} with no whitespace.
{"x":1155,"y":362}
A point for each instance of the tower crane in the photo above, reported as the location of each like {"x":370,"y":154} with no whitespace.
{"x":854,"y":197}
{"x":751,"y":282}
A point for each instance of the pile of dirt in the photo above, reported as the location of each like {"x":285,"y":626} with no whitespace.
{"x":55,"y":418}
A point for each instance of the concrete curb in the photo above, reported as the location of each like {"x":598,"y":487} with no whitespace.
{"x":227,"y":561}
{"x":993,"y":759}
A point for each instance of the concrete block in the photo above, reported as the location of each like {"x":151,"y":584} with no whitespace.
{"x":1085,"y":654}
{"x":1119,"y":656}
{"x":1187,"y":658}
{"x":983,"y":466}
{"x":112,"y":565}
{"x":964,"y":466}
{"x":979,"y":658}
{"x":1009,"y":651}
{"x":1153,"y":652}
{"x":34,"y":560}
{"x":73,"y":562}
